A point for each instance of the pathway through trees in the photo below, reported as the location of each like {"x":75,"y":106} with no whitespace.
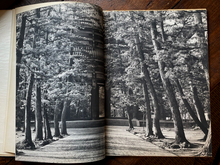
{"x":82,"y":145}
{"x":121,"y":142}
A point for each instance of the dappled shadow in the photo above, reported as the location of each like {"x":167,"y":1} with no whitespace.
{"x":167,"y":143}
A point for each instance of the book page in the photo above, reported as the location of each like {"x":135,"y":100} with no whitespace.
{"x":60,"y":83}
{"x":10,"y":128}
{"x":157,"y":87}
{"x":5,"y":69}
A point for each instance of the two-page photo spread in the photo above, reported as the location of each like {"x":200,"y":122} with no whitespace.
{"x":93,"y":83}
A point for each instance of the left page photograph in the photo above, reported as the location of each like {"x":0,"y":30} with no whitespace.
{"x":60,"y":84}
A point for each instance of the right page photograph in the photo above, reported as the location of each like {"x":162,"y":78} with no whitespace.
{"x":157,"y":83}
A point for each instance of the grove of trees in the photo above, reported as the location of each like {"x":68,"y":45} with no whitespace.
{"x":57,"y":49}
{"x":158,"y":61}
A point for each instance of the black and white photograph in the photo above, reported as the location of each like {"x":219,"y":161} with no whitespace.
{"x":93,"y":83}
{"x":60,"y":84}
{"x":157,"y":83}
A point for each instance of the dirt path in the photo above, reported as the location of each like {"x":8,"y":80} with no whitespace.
{"x":82,"y":145}
{"x":123,"y":143}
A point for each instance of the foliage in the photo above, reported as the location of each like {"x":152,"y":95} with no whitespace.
{"x":180,"y":53}
{"x":60,"y":55}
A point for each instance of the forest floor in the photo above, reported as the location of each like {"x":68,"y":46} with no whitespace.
{"x":119,"y":142}
{"x":193,"y":135}
{"x":83,"y":144}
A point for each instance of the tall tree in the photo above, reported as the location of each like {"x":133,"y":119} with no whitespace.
{"x":28,"y":140}
{"x":50,"y":31}
{"x":56,"y":122}
{"x":190,"y":110}
{"x":63,"y":117}
{"x":47,"y":130}
{"x":58,"y":106}
{"x":156,"y":119}
{"x":158,"y":132}
{"x":176,"y":81}
{"x":199,"y":106}
{"x":38,"y":115}
{"x":178,"y":126}
{"x":149,"y":124}
{"x":48,"y":134}
{"x":130,"y":117}
{"x":19,"y":48}
{"x":184,"y":58}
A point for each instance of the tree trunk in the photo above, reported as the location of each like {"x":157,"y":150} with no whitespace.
{"x":162,"y":110}
{"x":19,"y":49}
{"x":67,"y":101}
{"x":59,"y":105}
{"x":178,"y":126}
{"x":187,"y":105}
{"x":149,"y":124}
{"x":163,"y":40}
{"x":197,"y":103}
{"x":23,"y":112}
{"x":129,"y":114}
{"x":47,"y":124}
{"x":162,"y":28}
{"x":156,"y":124}
{"x":28,"y":140}
{"x":203,"y":125}
{"x":207,"y":148}
{"x":199,"y":107}
{"x":190,"y":110}
{"x":19,"y":57}
{"x":203,"y":45}
{"x":63,"y":117}
{"x":45,"y":129}
{"x":204,"y":58}
{"x":38,"y":115}
{"x":56,"y":122}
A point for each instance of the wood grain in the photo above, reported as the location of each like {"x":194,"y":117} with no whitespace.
{"x":212,"y":7}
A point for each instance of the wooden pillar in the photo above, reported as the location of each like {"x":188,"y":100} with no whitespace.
{"x":95,"y":98}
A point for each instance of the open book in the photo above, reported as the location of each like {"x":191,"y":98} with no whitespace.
{"x":87,"y":83}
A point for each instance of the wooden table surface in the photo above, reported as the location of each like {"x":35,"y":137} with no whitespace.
{"x":213,"y":8}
